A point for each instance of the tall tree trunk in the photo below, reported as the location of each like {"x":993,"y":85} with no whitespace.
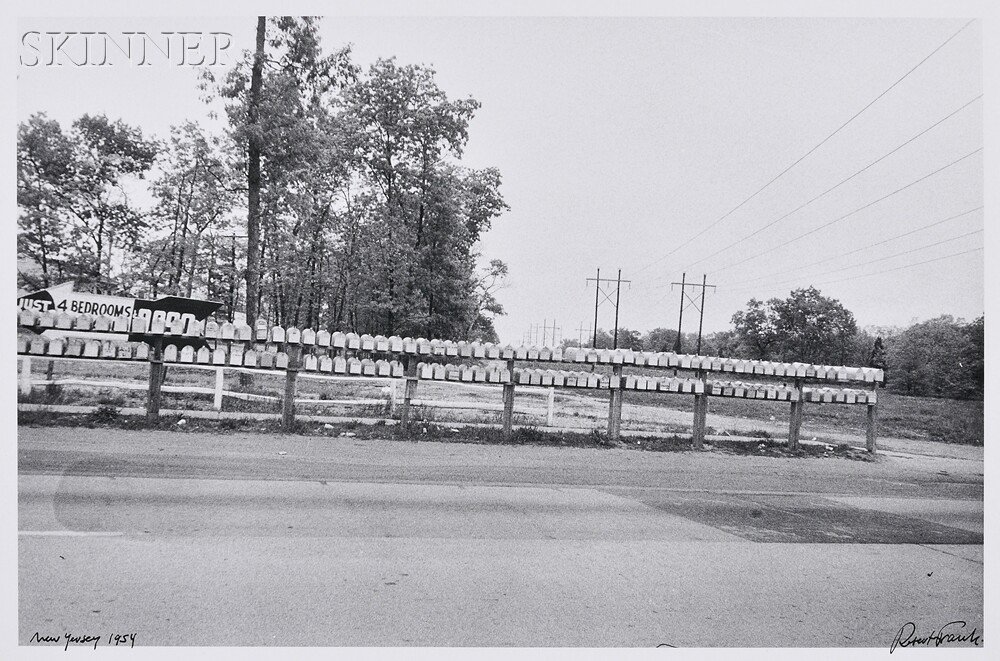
{"x":253,"y":176}
{"x":195,"y":239}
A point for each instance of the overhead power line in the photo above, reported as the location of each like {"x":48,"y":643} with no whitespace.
{"x":814,"y":148}
{"x":872,"y":261}
{"x":864,"y":247}
{"x":838,"y":185}
{"x":898,"y":268}
{"x":761,"y":253}
{"x":905,"y":266}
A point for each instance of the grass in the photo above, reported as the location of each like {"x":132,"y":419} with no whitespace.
{"x":109,"y":417}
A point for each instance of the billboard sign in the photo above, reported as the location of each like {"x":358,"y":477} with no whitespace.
{"x":62,"y":298}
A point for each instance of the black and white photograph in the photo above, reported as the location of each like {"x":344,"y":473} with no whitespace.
{"x":552,"y":329}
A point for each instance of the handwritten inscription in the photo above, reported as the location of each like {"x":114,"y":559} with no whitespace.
{"x":907,"y":636}
{"x":67,"y":639}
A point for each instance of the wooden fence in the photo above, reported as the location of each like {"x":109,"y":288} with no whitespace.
{"x":294,"y":351}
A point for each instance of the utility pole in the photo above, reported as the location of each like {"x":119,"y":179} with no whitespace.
{"x":680,"y":320}
{"x":549,"y":339}
{"x":548,"y":334}
{"x":691,"y":302}
{"x":597,"y":301}
{"x":580,"y":331}
{"x":606,"y":292}
{"x":531,"y":336}
{"x":701,"y":310}
{"x":618,"y":291}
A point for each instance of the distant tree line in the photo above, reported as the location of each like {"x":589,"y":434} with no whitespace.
{"x":335,"y":198}
{"x":942,"y":357}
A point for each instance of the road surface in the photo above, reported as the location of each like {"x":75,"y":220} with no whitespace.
{"x":200,"y":539}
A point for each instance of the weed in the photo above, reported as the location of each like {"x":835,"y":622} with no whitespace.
{"x":35,"y":418}
{"x":104,"y":414}
{"x":601,"y":439}
{"x":234,"y":424}
{"x":656,"y":444}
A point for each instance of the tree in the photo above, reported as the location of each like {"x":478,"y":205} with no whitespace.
{"x":423,"y":214}
{"x":359,"y":214}
{"x":195,"y":196}
{"x":722,"y":343}
{"x":928,"y":359}
{"x":877,"y":358}
{"x":659,"y":339}
{"x":280,"y":104}
{"x":755,"y":329}
{"x":485,"y":303}
{"x":974,"y":356}
{"x":44,"y":168}
{"x":254,"y":138}
{"x":74,"y":211}
{"x":629,"y":339}
{"x":604,"y":339}
{"x":805,"y":327}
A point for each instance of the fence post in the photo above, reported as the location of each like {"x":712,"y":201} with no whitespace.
{"x":154,"y":395}
{"x":393,"y":396}
{"x":700,"y":414}
{"x":508,"y":402}
{"x":411,"y":388}
{"x":51,"y":387}
{"x":551,"y":410}
{"x":25,"y":375}
{"x":220,"y":379}
{"x":615,"y":405}
{"x":795,"y":418}
{"x":872,"y":424}
{"x":291,"y":374}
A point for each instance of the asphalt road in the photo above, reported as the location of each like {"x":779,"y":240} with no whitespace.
{"x":195,"y":539}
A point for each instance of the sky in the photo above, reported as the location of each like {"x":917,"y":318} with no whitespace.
{"x":627,"y":143}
